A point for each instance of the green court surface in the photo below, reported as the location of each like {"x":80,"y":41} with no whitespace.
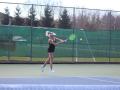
{"x":69,"y":70}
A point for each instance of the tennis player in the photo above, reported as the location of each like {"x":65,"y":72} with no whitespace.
{"x":52,"y":44}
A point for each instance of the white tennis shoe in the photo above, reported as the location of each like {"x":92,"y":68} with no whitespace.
{"x":52,"y":71}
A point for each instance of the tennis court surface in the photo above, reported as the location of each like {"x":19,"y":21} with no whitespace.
{"x":60,"y":83}
{"x":65,"y":77}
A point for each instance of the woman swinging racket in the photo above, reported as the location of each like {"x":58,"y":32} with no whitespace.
{"x":52,"y":44}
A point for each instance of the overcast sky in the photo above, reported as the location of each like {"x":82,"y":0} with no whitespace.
{"x":95,"y":4}
{"x":92,"y":4}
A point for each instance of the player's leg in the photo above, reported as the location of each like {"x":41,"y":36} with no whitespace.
{"x":47,"y":61}
{"x":51,"y":62}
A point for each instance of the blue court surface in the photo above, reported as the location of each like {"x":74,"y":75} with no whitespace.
{"x":60,"y":83}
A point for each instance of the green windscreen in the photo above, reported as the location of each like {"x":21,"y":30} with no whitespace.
{"x":30,"y":43}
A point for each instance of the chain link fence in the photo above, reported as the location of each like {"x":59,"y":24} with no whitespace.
{"x":22,"y":33}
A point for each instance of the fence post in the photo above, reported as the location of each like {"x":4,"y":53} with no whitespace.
{"x":110,"y":28}
{"x":73,"y":51}
{"x":31,"y":27}
{"x":8,"y":43}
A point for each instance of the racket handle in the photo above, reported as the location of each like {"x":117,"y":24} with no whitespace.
{"x":65,"y":40}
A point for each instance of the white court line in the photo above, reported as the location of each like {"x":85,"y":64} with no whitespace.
{"x":108,"y":81}
{"x":54,"y":85}
{"x":91,"y":78}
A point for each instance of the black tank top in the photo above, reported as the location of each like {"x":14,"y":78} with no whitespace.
{"x":52,"y":46}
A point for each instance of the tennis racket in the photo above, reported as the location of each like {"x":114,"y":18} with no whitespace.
{"x":71,"y":37}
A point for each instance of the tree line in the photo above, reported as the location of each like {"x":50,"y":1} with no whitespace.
{"x":46,"y":21}
{"x":106,"y":21}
